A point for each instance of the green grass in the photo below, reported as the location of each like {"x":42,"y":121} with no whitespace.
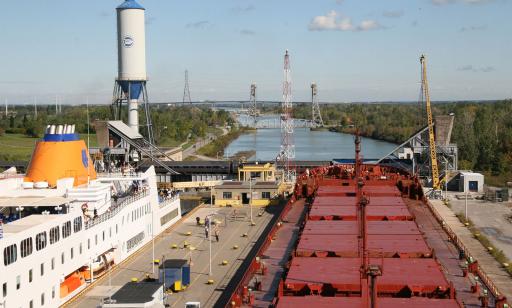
{"x":16,"y":147}
{"x":20,"y":147}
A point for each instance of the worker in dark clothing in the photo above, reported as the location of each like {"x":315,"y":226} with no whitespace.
{"x":206,"y":231}
{"x":95,"y":213}
{"x":216,"y":234}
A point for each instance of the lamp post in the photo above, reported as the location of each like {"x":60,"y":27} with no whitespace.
{"x":210,"y":242}
{"x":466,"y":206}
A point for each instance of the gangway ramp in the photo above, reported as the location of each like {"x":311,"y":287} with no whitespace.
{"x":136,"y":140}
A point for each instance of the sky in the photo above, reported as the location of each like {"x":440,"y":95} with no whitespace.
{"x":355,"y":50}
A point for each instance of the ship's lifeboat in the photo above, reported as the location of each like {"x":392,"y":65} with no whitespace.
{"x":71,"y":282}
{"x":99,"y":266}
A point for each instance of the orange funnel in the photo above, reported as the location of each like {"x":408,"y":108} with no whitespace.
{"x":65,"y":158}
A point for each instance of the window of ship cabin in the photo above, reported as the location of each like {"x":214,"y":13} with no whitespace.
{"x":26,"y":247}
{"x":265,"y":195}
{"x":42,"y":269}
{"x":103,"y":235}
{"x":40,"y":241}
{"x":53,"y":263}
{"x":18,"y":282}
{"x":62,"y":258}
{"x":66,"y":229}
{"x":72,"y":252}
{"x":117,"y":229}
{"x":77,"y":224}
{"x":42,"y":299}
{"x":53,"y":292}
{"x":30,"y":276}
{"x":80,"y":248}
{"x":227,"y":195}
{"x":31,"y":304}
{"x":10,"y":254}
{"x":110,"y":232}
{"x":96,"y":239}
{"x":88,"y":243}
{"x":54,"y":235}
{"x":4,"y":289}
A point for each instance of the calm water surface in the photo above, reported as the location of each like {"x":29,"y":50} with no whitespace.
{"x":309,"y":145}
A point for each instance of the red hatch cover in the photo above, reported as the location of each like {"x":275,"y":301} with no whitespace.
{"x":350,"y":227}
{"x":325,"y":191}
{"x":338,"y":275}
{"x":381,"y":190}
{"x":335,"y":201}
{"x":386,"y":200}
{"x":388,"y":246}
{"x":349,"y":213}
{"x":356,"y":302}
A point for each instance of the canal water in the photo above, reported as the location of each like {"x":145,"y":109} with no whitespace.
{"x":309,"y":145}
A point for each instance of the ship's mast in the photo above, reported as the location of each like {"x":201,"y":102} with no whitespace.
{"x":368,"y":272}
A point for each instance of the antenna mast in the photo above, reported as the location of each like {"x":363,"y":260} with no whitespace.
{"x":315,"y":112}
{"x":186,"y":90}
{"x":287,"y":153}
{"x":253,"y":111}
{"x":35,"y":107}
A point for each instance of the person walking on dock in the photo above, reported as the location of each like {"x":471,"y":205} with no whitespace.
{"x":206,"y":231}
{"x":216,"y":232}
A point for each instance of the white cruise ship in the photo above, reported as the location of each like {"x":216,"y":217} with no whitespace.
{"x":64,"y":224}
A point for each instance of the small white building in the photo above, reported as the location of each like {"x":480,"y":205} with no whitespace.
{"x":471,"y":182}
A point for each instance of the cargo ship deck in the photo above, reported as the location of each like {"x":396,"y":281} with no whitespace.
{"x":361,"y":235}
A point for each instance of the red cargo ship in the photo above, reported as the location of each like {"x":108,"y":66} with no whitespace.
{"x":359,"y":235}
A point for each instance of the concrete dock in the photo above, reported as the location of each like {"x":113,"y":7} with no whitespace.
{"x":232,"y":232}
{"x":490,"y":266}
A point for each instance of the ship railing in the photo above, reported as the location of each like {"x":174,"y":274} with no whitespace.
{"x":168,"y":201}
{"x":113,"y":212}
{"x":119,"y":174}
{"x":455,"y":239}
{"x":236,"y":295}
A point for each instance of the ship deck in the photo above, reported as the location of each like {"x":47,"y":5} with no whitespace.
{"x":420,"y":267}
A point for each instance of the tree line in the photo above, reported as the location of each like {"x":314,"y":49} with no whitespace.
{"x":171,"y":125}
{"x":482,"y":130}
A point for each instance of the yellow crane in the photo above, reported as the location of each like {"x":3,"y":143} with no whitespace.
{"x":431,"y":138}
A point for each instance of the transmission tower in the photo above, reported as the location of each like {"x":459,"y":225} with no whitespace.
{"x":287,"y":153}
{"x":186,"y":90}
{"x":316,"y":114}
{"x":253,"y":109}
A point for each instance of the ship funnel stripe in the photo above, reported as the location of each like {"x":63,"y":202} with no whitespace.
{"x":60,"y":137}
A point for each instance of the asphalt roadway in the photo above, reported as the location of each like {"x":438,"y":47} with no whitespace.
{"x":491,"y":218}
{"x":231,"y":233}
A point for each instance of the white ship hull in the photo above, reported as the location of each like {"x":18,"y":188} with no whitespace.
{"x":49,"y":276}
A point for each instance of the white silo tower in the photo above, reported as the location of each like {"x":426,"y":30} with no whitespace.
{"x":130,"y":86}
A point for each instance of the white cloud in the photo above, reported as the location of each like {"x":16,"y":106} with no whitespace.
{"x":334,"y":21}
